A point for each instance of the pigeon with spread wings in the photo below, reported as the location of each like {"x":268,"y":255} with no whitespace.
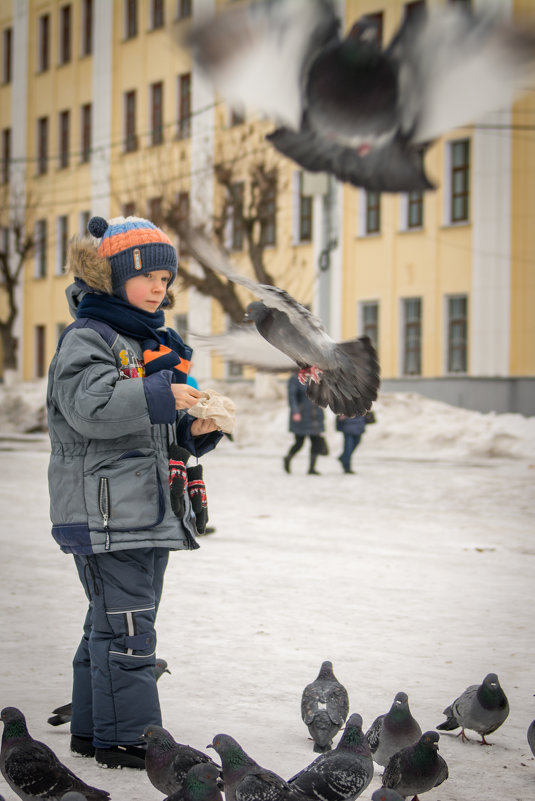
{"x":345,"y":105}
{"x":341,"y":375}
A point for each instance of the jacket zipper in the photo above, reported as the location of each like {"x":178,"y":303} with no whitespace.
{"x":104,"y":506}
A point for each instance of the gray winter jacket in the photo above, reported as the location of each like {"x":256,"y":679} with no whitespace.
{"x":108,"y":473}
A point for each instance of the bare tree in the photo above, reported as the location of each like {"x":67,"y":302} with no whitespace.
{"x":17,"y":243}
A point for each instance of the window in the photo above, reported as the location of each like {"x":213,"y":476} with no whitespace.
{"x":62,"y":243}
{"x":460,"y":180}
{"x":42,"y":145}
{"x":130,"y":19}
{"x":87,"y":28}
{"x":182,"y":220}
{"x":6,"y":154}
{"x":129,"y":209}
{"x":85,"y":133}
{"x":130,"y":137}
{"x":306,"y":203}
{"x":83,"y":220}
{"x":370,"y":321}
{"x":457,"y":334}
{"x":416,"y":7}
{"x":156,"y":102}
{"x":65,"y":34}
{"x":7,"y":54}
{"x":415,"y":209}
{"x":412,"y":336}
{"x":373,"y":212}
{"x":155,"y":212}
{"x":236,"y":118}
{"x":184,"y":9}
{"x":63,"y":149}
{"x":184,"y":106}
{"x":40,"y":348}
{"x":236,"y":215}
{"x":267,"y":213}
{"x":157,"y":14}
{"x":43,"y":43}
{"x":40,"y":249}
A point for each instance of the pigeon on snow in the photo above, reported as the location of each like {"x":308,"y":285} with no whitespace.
{"x":324,"y":707}
{"x":346,"y":106}
{"x":481,"y":707}
{"x":341,"y":774}
{"x":243,"y":778}
{"x":63,"y":714}
{"x":201,"y":783}
{"x":393,"y":731}
{"x":416,"y":768}
{"x":167,"y":762}
{"x":343,"y":376}
{"x":32,"y":769}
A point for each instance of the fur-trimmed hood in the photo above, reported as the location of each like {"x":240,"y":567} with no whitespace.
{"x":84,"y":263}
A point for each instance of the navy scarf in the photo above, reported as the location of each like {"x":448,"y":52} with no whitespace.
{"x":162,"y":348}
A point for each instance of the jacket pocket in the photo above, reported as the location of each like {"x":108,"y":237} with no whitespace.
{"x":125,"y":494}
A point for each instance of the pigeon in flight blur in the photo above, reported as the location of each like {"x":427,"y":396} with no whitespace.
{"x":324,"y":707}
{"x":346,"y":106}
{"x":343,"y":376}
{"x":481,"y":707}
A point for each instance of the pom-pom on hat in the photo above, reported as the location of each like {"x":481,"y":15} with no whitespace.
{"x":132,"y":246}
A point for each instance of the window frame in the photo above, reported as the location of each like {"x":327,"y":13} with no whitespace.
{"x":306,"y":215}
{"x":41,"y":248}
{"x":64,"y":125}
{"x":7,"y":55}
{"x":184,"y":106}
{"x":459,"y":322}
{"x":156,"y":114}
{"x":43,"y":43}
{"x":86,"y":132}
{"x":131,"y":143}
{"x":65,"y":34}
{"x":367,"y":327}
{"x":130,"y":19}
{"x":42,"y":145}
{"x":462,"y":170}
{"x":371,"y":209}
{"x":6,"y":155}
{"x":86,"y":43}
{"x":62,"y":242}
{"x":412,"y":328}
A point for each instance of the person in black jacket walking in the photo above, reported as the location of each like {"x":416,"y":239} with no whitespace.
{"x":306,"y":420}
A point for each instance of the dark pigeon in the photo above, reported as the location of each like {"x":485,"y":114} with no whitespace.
{"x":73,"y":795}
{"x":31,"y":768}
{"x":481,"y":707}
{"x":167,"y":762}
{"x":63,"y":714}
{"x":243,"y":778}
{"x":416,"y":768}
{"x":531,"y":736}
{"x":386,"y":794}
{"x":350,"y":108}
{"x":343,"y":376}
{"x":341,"y":774}
{"x":393,"y":731}
{"x":201,"y":783}
{"x":324,"y":707}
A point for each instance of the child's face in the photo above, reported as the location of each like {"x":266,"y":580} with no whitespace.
{"x":146,"y":291}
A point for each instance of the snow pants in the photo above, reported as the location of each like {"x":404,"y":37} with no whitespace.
{"x":114,"y":687}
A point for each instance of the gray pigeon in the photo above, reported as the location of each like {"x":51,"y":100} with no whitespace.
{"x":531,"y":736}
{"x":393,"y":731}
{"x":350,"y":108}
{"x":73,"y":795}
{"x":167,"y":762}
{"x":324,"y":707}
{"x":63,"y":714}
{"x":31,"y":768}
{"x":343,"y":376}
{"x":416,"y":768}
{"x":341,"y":774}
{"x":201,"y":783}
{"x":386,"y":794}
{"x":481,"y":708}
{"x":243,"y":778}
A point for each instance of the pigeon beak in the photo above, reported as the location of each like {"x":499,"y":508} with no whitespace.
{"x":210,"y":745}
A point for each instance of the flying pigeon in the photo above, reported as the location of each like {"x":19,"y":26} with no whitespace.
{"x":243,"y":778}
{"x":481,"y":707}
{"x":416,"y":768}
{"x":346,"y":106}
{"x":341,"y":774}
{"x":63,"y":714}
{"x":167,"y":762}
{"x":201,"y":783}
{"x":31,"y":768}
{"x":386,"y":794}
{"x":343,"y":376}
{"x":393,"y":731}
{"x":324,"y":707}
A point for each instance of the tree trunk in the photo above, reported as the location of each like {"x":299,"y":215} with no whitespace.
{"x":9,"y":344}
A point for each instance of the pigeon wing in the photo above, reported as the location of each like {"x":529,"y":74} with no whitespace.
{"x":373,"y":734}
{"x":244,"y":345}
{"x":337,"y":704}
{"x":310,"y":701}
{"x":257,"y":55}
{"x":396,"y":166}
{"x":456,"y":66}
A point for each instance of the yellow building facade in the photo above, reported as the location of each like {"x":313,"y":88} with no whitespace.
{"x":106,"y":114}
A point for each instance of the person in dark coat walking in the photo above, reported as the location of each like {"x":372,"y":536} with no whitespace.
{"x":306,"y":420}
{"x":352,"y":428}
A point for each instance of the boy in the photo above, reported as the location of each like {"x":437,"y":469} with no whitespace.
{"x":116,"y":397}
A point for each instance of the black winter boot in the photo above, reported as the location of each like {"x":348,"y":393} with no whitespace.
{"x":312,"y":469}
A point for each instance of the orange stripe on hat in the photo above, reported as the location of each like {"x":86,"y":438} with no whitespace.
{"x":133,"y":238}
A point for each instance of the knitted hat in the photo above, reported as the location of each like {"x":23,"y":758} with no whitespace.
{"x":132,"y":246}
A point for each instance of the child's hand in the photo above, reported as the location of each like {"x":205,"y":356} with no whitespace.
{"x":200,"y":426}
{"x":185,"y":395}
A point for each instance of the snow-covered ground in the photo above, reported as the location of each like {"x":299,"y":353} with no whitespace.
{"x":415,"y":574}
